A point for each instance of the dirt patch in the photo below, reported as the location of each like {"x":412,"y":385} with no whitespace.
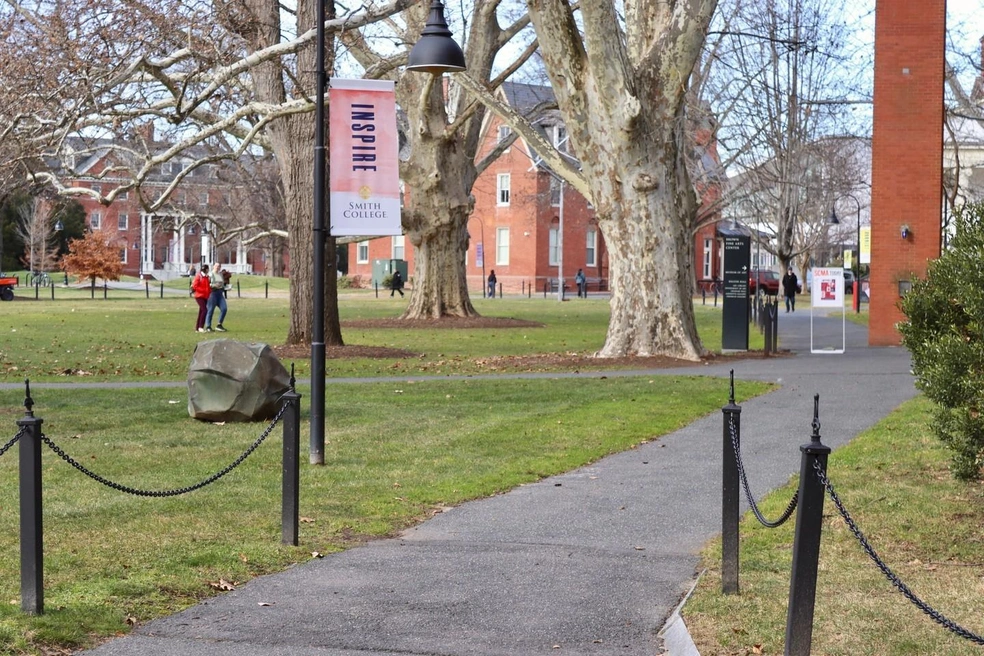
{"x":545,"y":361}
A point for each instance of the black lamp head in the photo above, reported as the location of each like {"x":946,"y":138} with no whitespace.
{"x":436,"y":52}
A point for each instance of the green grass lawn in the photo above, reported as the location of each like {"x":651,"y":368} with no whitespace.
{"x":927,"y":527}
{"x":112,"y":558}
{"x":134,"y":338}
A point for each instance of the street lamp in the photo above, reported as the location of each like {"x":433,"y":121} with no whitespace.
{"x":857,"y":263}
{"x":435,"y":53}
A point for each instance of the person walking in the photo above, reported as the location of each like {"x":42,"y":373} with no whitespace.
{"x":790,"y":287}
{"x":216,"y":299}
{"x":396,"y":283}
{"x":201,"y":289}
{"x":491,"y":283}
{"x":582,"y":284}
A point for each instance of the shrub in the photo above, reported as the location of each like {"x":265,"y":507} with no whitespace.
{"x":944,"y":332}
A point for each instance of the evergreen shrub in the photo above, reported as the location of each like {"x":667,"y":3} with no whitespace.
{"x":944,"y":332}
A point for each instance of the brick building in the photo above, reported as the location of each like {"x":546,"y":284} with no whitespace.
{"x":187,"y":231}
{"x":529,"y":226}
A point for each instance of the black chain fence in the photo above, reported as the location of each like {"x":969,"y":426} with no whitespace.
{"x":12,"y":442}
{"x":893,"y":578}
{"x":748,"y":492}
{"x":165,"y":493}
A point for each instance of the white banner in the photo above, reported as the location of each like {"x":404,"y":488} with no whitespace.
{"x":828,"y":288}
{"x":364,"y":156}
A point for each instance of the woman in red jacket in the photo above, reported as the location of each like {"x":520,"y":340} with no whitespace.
{"x":200,"y":289}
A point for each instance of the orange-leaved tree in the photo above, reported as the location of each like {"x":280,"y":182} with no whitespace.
{"x":93,"y":256}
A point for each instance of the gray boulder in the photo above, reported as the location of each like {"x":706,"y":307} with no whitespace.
{"x":235,"y":381}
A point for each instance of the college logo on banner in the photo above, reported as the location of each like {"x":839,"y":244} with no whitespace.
{"x":364,"y":156}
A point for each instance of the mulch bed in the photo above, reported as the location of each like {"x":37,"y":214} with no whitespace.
{"x":525,"y":362}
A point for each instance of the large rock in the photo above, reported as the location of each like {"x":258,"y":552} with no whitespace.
{"x":235,"y":381}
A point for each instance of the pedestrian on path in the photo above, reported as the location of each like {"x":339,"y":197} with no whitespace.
{"x":491,"y":282}
{"x":396,"y":283}
{"x":790,"y":287}
{"x":216,"y":299}
{"x":201,"y":289}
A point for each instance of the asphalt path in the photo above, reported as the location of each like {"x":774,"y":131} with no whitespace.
{"x":589,"y":562}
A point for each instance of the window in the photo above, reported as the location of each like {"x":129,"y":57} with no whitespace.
{"x":502,"y":246}
{"x":399,"y":247}
{"x":552,"y":249}
{"x":123,"y":255}
{"x":362,"y":252}
{"x":123,"y":195}
{"x":591,"y":250}
{"x":122,"y":221}
{"x":204,"y":198}
{"x":560,"y":138}
{"x":504,"y":133}
{"x":136,"y":246}
{"x":192,"y":230}
{"x":96,"y":187}
{"x":502,"y":188}
{"x":555,"y":190}
{"x":708,"y":249}
{"x":95,"y":220}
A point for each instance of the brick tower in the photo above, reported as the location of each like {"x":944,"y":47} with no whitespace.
{"x":907,"y":153}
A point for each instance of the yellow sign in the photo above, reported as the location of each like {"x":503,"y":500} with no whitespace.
{"x":865,"y":257}
{"x":848,"y":259}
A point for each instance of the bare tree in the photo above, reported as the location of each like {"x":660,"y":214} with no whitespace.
{"x":36,"y":231}
{"x":777,"y":82}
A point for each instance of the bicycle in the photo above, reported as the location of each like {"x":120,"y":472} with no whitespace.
{"x":40,"y":279}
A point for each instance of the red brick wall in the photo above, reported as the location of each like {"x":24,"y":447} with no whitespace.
{"x":907,"y":152}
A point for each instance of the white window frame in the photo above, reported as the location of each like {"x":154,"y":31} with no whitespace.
{"x":398,"y":247}
{"x":502,"y":246}
{"x":362,"y":252}
{"x":504,"y":133}
{"x":560,"y":138}
{"x":123,"y":255}
{"x":95,"y":220}
{"x":555,"y":190}
{"x":503,"y":182}
{"x":123,"y":222}
{"x":708,"y":250}
{"x":552,"y":239}
{"x":591,"y":247}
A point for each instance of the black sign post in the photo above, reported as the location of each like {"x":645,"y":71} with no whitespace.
{"x":737,"y":260}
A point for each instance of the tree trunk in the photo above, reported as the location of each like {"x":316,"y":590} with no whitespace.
{"x":650,"y":261}
{"x":440,"y":287}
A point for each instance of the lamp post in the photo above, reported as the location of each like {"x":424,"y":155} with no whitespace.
{"x":435,"y":53}
{"x":857,"y":262}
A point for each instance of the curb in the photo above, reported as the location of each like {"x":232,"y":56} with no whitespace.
{"x":676,"y":638}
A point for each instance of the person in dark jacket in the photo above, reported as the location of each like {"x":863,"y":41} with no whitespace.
{"x":790,"y":287}
{"x":396,"y":283}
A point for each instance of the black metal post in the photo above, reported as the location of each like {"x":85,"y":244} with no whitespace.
{"x":162,"y":289}
{"x":31,"y":529}
{"x":239,"y":292}
{"x":730,"y":494}
{"x":316,"y":453}
{"x":266,"y":289}
{"x":52,"y":290}
{"x":105,"y":290}
{"x":774,"y":317}
{"x":291,"y":465}
{"x":147,"y":288}
{"x":767,"y":320}
{"x":806,"y":543}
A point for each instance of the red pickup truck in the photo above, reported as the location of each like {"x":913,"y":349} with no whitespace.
{"x":767,"y":278}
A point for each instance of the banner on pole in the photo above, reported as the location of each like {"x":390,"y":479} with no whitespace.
{"x":364,"y":156}
{"x":865,"y":245}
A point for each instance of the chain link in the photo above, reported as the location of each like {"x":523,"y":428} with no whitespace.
{"x":167,"y":493}
{"x":937,"y":617}
{"x":20,"y":433}
{"x":787,"y":513}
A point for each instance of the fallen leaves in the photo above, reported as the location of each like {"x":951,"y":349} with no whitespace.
{"x":222,"y":585}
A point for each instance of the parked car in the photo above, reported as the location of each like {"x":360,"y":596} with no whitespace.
{"x":848,"y":281}
{"x":767,"y":278}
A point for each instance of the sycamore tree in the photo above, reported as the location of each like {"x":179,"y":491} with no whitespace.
{"x":620,"y":73}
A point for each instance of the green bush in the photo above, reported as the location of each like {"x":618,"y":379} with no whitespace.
{"x":944,"y":332}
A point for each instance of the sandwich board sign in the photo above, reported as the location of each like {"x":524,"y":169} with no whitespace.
{"x":827,"y":291}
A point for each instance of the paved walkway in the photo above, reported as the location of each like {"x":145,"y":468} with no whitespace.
{"x":589,"y":562}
